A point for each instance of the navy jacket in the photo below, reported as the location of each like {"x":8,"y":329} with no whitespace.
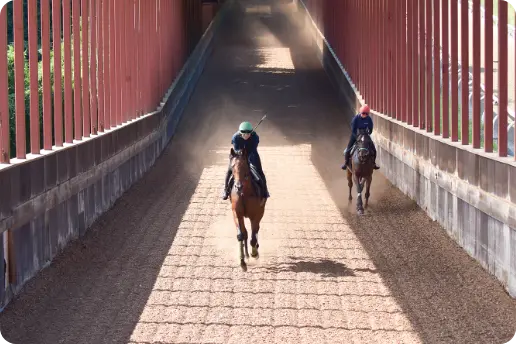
{"x":250,"y":144}
{"x":361,"y":123}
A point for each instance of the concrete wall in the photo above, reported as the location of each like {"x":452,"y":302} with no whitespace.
{"x":51,"y":199}
{"x":470,"y":193}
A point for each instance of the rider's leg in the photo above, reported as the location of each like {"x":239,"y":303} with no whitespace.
{"x":225,"y":192}
{"x":376,"y":167}
{"x":347,"y":152}
{"x":257,"y":162}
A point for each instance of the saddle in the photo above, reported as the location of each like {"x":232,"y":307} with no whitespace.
{"x":257,"y":182}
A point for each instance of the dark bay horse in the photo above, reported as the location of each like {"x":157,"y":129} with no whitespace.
{"x":246,"y":201}
{"x":361,"y":168}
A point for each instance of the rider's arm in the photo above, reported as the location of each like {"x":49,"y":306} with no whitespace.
{"x":234,"y":142}
{"x":371,"y":125}
{"x":255,"y":140}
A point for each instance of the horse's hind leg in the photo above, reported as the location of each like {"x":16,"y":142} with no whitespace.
{"x":367,"y":193}
{"x":350,"y":184}
{"x":255,"y":225}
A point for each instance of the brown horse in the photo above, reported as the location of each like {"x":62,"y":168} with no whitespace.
{"x":246,"y":201}
{"x":361,"y":169}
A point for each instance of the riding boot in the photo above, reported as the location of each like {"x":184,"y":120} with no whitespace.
{"x":265,"y":188}
{"x":225,"y":192}
{"x":376,"y":167}
{"x":346,"y":161}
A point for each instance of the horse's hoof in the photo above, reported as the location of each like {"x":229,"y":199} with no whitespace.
{"x":254,"y":252}
{"x":350,"y":198}
{"x":243,"y":265}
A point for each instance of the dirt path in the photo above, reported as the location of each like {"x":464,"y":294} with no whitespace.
{"x":162,"y":265}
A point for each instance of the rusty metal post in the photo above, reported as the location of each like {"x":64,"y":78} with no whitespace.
{"x":502,"y":78}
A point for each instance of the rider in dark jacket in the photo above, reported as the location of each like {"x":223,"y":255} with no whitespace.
{"x":360,"y":121}
{"x":246,"y":138}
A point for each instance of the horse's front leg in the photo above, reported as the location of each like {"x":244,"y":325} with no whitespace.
{"x":360,"y":208}
{"x":367,"y":193}
{"x":241,"y":237}
{"x":255,"y":228}
{"x":350,"y":184}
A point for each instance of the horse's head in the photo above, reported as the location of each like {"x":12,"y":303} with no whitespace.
{"x":363,"y":151}
{"x":240,"y":169}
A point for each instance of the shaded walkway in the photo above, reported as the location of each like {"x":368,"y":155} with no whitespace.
{"x":162,"y":265}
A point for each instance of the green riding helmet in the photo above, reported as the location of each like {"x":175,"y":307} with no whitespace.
{"x":245,"y":126}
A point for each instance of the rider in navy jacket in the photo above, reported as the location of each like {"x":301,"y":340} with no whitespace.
{"x":360,"y":121}
{"x":246,"y":138}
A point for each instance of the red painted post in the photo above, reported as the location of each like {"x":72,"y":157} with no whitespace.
{"x":117,"y":67}
{"x":409,"y":66}
{"x":58,"y":96}
{"x":19,"y":64}
{"x":422,"y":78}
{"x":113,"y":84}
{"x":47,"y":90}
{"x":392,"y":69}
{"x":428,"y":41}
{"x":454,"y":77}
{"x":123,"y":61}
{"x":85,"y":71}
{"x":445,"y":71}
{"x":488,"y":77}
{"x":33,"y":68}
{"x":415,"y":64}
{"x":4,"y":92}
{"x":77,"y":115}
{"x":502,"y":78}
{"x":437,"y":69}
{"x":404,"y":64}
{"x":106,"y":47}
{"x":93,"y":67}
{"x":464,"y":108}
{"x":476,"y":74}
{"x":139,"y":66}
{"x":100,"y":52}
{"x":68,"y":109}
